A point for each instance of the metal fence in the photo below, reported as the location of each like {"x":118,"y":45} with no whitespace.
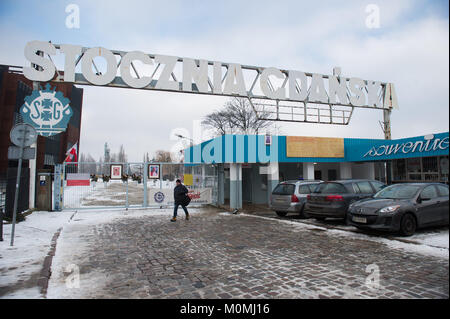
{"x":123,"y":185}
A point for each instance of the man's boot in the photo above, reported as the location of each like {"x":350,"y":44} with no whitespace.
{"x":174,"y":219}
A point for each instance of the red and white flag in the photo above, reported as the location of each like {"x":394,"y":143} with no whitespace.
{"x":72,"y":154}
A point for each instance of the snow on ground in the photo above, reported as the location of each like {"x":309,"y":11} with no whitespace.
{"x":70,"y":247}
{"x":21,"y":264}
{"x":435,"y":244}
{"x":23,"y":261}
{"x":436,"y":238}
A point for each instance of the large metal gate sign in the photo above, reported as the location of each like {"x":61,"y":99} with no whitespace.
{"x":339,"y":94}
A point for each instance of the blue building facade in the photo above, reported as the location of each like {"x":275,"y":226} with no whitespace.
{"x":250,"y":166}
{"x":253,"y":149}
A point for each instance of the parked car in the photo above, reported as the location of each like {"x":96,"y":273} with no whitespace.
{"x":290,"y":196}
{"x":403,"y":208}
{"x":332,"y":199}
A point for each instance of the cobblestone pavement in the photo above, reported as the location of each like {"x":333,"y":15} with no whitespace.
{"x":220,"y":255}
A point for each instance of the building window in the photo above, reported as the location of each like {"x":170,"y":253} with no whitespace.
{"x":264,"y":180}
{"x":318,"y":175}
{"x":430,"y":168}
{"x":332,"y":174}
{"x":414,"y":169}
{"x":399,"y":167}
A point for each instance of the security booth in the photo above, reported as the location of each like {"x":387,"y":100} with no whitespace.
{"x":44,"y":190}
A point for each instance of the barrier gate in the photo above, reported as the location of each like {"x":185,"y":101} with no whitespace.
{"x":126,"y":185}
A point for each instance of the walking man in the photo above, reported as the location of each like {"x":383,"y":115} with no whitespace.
{"x":180,"y":193}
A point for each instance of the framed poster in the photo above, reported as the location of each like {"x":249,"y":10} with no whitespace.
{"x":153,"y":171}
{"x":116,"y":171}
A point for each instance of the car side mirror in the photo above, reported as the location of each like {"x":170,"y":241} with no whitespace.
{"x":421,"y":199}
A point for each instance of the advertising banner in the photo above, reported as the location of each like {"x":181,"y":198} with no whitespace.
{"x":300,"y":146}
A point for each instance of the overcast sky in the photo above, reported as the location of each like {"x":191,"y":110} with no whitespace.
{"x":409,"y":49}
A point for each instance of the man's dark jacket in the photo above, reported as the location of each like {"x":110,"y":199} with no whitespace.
{"x":179,"y":194}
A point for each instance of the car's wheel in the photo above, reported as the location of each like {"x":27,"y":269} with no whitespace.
{"x":281,"y":214}
{"x":346,"y":221}
{"x":408,"y":225}
{"x":320,"y":218}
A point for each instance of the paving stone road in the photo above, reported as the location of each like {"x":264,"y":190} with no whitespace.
{"x":220,"y":255}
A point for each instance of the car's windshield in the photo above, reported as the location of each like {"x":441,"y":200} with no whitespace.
{"x":284,"y":189}
{"x":330,"y":188}
{"x":398,"y":192}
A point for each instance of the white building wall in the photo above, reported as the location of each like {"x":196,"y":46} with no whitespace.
{"x":345,"y":170}
{"x":308,"y":170}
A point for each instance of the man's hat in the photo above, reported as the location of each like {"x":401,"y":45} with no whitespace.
{"x":178,"y":181}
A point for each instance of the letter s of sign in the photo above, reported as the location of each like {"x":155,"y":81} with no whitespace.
{"x":43,"y":69}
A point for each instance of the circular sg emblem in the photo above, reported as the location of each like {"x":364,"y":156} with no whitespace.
{"x":47,"y":110}
{"x":159,"y":197}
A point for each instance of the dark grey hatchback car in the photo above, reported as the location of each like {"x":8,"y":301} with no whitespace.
{"x":332,"y":199}
{"x":403,"y":208}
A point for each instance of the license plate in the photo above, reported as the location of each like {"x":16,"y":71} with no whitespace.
{"x":359,"y":219}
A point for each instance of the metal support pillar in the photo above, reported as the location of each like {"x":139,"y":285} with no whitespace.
{"x":235,"y":186}
{"x":32,"y":166}
{"x":387,"y":136}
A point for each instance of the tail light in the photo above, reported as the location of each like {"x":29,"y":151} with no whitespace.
{"x":308,"y":197}
{"x":294,"y":199}
{"x":332,"y":198}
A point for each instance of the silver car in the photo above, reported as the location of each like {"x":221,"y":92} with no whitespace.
{"x":290,"y":196}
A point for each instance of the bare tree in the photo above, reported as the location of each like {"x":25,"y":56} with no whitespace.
{"x":237,"y":116}
{"x":87,"y":164}
{"x":163,"y":156}
{"x":219,"y":122}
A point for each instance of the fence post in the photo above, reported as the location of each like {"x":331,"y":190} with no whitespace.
{"x":145,"y":203}
{"x":63,"y":184}
{"x":57,"y":188}
{"x":126,"y":203}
